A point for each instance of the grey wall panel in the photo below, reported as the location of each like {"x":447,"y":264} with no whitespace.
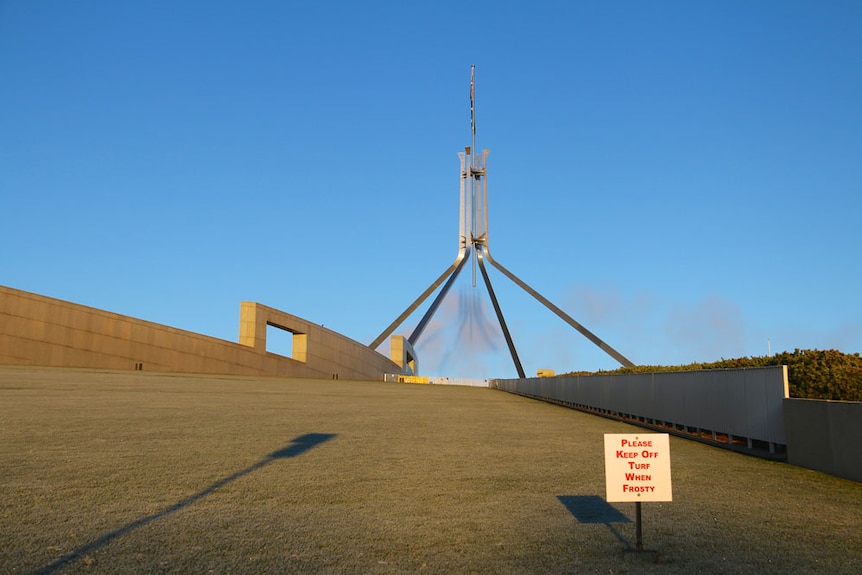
{"x":825,"y":435}
{"x":736,"y":417}
{"x":777,"y":390}
{"x":755,"y":406}
{"x":711,"y":399}
{"x":646,"y":394}
{"x":807,"y":432}
{"x":765,"y":395}
{"x":723,"y":412}
{"x":619,"y":397}
{"x":845,"y":429}
{"x":641,"y":395}
{"x":569,"y":389}
{"x":742,"y":402}
{"x":691,"y":399}
{"x":703,"y":398}
{"x":610,"y":394}
{"x":664,"y":400}
{"x":591,"y":392}
{"x":557,"y":387}
{"x":672,"y":393}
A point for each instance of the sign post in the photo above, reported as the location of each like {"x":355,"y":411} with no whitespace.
{"x":637,"y":468}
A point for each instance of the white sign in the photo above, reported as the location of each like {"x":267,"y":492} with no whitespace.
{"x":637,"y":467}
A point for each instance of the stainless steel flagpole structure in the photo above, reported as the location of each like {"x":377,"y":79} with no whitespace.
{"x":473,"y":237}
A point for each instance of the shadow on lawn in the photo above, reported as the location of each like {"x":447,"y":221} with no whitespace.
{"x":297,"y":446}
{"x":594,"y":509}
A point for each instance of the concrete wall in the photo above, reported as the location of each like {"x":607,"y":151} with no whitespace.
{"x":402,"y":353}
{"x":740,"y":407}
{"x":38,"y":330}
{"x":318,"y":348}
{"x":825,"y":435}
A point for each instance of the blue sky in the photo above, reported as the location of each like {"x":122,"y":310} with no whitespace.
{"x":683,"y":178}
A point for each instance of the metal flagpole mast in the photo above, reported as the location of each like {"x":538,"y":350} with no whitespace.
{"x":473,"y":216}
{"x":473,"y":105}
{"x":473,"y":235}
{"x":479,"y":217}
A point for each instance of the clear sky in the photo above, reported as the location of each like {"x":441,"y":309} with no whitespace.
{"x":683,"y":178}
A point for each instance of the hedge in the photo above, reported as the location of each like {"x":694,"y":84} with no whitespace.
{"x":812,"y":373}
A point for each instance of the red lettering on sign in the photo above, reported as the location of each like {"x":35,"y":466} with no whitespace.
{"x":636,"y":477}
{"x":638,"y":488}
{"x":636,"y":443}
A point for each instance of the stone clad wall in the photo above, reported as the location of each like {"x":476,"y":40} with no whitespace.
{"x":314,"y":345}
{"x":38,"y":330}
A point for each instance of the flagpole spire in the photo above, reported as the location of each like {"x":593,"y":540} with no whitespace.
{"x":473,"y":241}
{"x":473,"y":105}
{"x":474,"y":220}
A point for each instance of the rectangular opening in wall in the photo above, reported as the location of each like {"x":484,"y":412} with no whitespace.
{"x":279,"y":340}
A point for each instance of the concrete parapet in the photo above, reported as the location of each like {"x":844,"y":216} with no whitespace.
{"x":403,"y":354}
{"x":314,"y":346}
{"x":38,"y":330}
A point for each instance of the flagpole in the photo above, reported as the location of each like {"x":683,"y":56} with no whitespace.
{"x":473,"y":222}
{"x":473,"y":106}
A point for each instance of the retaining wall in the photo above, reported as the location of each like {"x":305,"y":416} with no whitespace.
{"x":38,"y":330}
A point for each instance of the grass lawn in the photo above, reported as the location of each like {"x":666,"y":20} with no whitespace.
{"x":137,"y":472}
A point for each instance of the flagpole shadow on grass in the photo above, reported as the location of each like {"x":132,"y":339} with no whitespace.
{"x":594,"y":509}
{"x":297,"y":446}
